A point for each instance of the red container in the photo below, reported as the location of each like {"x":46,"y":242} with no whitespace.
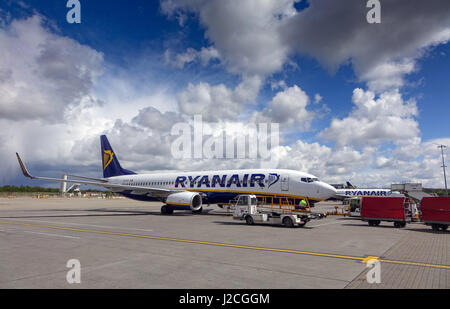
{"x":435,"y":209}
{"x":391,"y":208}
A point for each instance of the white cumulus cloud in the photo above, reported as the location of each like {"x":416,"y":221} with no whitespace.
{"x":43,"y":74}
{"x":375,"y":120}
{"x":288,"y":107}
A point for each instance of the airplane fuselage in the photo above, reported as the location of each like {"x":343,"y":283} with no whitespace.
{"x":368,"y":192}
{"x":222,"y":186}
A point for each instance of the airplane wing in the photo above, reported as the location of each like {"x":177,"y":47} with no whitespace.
{"x":89,"y":178}
{"x":156,"y":192}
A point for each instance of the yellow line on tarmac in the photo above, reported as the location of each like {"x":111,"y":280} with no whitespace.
{"x":355,"y":258}
{"x":415,"y":264}
{"x":369,"y":259}
{"x":187,"y":241}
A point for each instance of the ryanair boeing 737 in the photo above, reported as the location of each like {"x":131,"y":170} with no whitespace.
{"x":352,"y":191}
{"x":191,"y":190}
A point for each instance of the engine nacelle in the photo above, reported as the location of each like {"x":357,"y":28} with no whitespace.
{"x":185,"y":200}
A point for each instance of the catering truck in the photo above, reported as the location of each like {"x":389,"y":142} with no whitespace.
{"x":433,"y":211}
{"x":436,"y":212}
{"x":374,"y":210}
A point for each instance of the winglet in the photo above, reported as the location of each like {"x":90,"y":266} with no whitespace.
{"x":23,"y":167}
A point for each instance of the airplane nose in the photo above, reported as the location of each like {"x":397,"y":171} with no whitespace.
{"x":328,"y":191}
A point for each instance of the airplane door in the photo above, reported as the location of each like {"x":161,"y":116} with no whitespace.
{"x":284,"y":183}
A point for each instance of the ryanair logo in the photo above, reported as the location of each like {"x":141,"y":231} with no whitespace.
{"x":213,"y":181}
{"x":273,"y":179}
{"x":107,"y":158}
{"x":368,"y":193}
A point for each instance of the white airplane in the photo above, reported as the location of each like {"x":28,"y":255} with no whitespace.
{"x":352,"y":191}
{"x":191,"y":190}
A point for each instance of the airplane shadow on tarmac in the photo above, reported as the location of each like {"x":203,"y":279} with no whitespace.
{"x":109,"y":214}
{"x":104,"y":212}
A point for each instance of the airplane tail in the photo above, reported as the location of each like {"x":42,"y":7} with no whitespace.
{"x":111,"y":165}
{"x":350,"y":186}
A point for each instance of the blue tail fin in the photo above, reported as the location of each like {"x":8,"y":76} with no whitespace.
{"x":350,"y":186}
{"x":111,"y":165}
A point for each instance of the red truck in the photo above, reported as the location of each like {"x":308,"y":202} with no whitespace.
{"x":391,"y":209}
{"x":436,"y":212}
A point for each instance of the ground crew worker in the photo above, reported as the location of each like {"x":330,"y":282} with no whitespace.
{"x":302,"y":204}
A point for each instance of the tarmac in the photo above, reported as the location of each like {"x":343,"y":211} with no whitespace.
{"x":121,"y":243}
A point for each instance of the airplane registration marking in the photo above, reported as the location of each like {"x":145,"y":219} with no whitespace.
{"x":347,"y":257}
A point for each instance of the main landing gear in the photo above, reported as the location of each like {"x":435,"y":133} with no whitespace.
{"x":166,"y":210}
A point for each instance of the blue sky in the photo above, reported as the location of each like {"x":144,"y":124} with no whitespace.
{"x":141,"y":29}
{"x":433,"y":92}
{"x":149,"y":54}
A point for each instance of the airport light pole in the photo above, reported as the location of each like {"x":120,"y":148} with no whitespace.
{"x":443,"y":166}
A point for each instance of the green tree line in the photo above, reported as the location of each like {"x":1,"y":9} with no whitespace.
{"x":23,"y":188}
{"x":27,"y":189}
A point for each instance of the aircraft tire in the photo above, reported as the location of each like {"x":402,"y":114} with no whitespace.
{"x":166,"y":210}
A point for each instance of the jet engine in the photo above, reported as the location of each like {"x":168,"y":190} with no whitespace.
{"x":182,"y":200}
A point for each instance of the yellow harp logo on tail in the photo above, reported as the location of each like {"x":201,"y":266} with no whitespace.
{"x":107,"y":158}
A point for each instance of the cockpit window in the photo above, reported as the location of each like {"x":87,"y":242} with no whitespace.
{"x":309,"y":180}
